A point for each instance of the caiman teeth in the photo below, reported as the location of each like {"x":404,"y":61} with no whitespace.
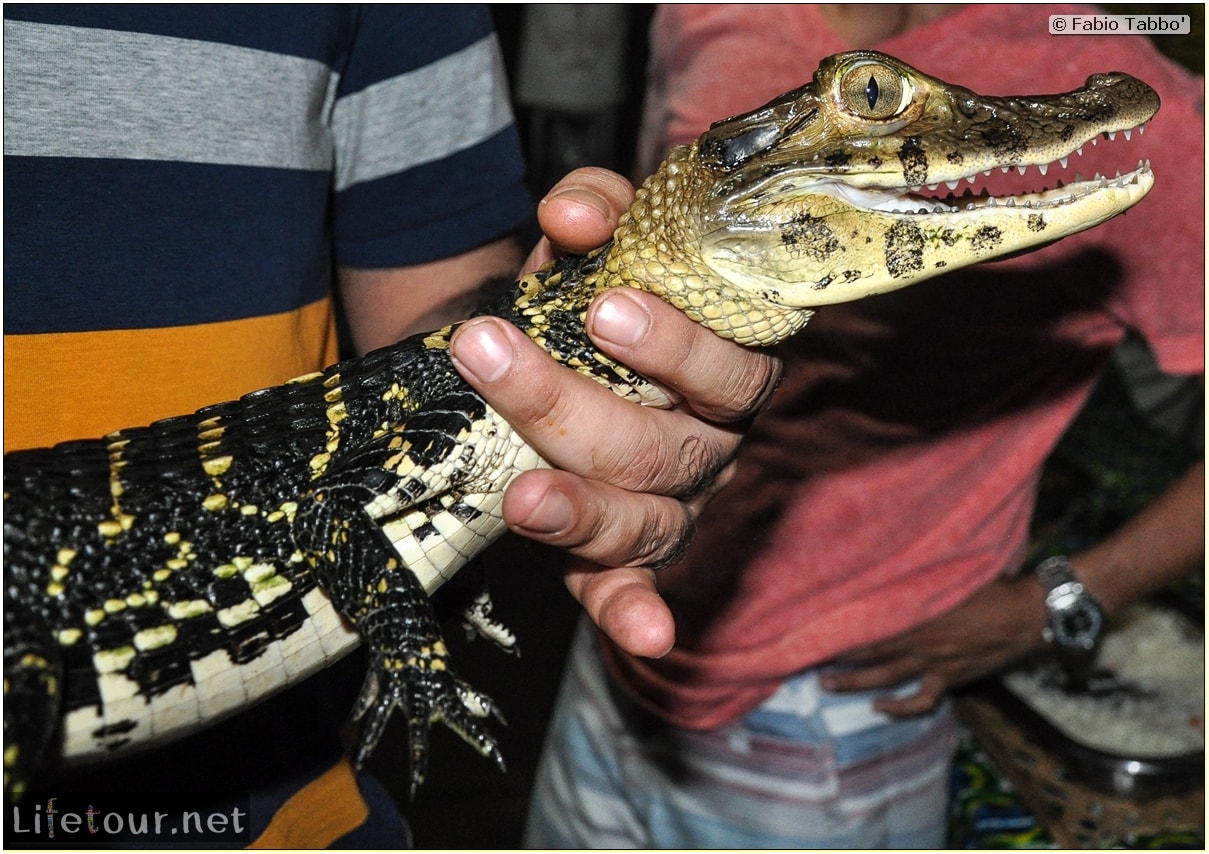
{"x":969,"y":201}
{"x":1062,"y":194}
{"x":908,"y":201}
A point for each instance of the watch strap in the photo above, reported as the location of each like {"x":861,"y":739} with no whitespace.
{"x":1054,"y":572}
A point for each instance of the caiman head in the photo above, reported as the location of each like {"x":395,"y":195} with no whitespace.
{"x":829,"y":193}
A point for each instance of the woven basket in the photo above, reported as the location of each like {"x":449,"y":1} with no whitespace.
{"x":1075,"y":814}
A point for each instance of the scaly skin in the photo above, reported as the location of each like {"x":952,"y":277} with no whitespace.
{"x":164,"y":578}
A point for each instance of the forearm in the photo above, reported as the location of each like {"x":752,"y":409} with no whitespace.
{"x":1158,"y":546}
{"x":386,"y":305}
{"x":1004,"y":621}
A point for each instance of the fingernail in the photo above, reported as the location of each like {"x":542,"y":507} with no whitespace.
{"x":483,"y":349}
{"x":618,"y":319}
{"x":580,"y":196}
{"x":552,"y":514}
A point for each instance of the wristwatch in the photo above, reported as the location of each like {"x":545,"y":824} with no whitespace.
{"x":1075,"y":618}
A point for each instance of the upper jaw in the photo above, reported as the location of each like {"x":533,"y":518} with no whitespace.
{"x":882,"y":171}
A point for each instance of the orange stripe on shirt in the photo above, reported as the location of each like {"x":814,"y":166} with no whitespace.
{"x":77,"y":385}
{"x":319,"y":813}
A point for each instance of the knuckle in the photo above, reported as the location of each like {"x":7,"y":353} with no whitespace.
{"x":640,"y":464}
{"x":747,"y":389}
{"x":700,"y":465}
{"x":722,"y":381}
{"x":654,"y":462}
{"x":668,"y":543}
{"x":655,"y":536}
{"x":645,"y":454}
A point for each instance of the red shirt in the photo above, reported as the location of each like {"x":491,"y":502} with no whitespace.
{"x":895,"y":471}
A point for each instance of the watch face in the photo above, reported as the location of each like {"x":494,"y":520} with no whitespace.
{"x":1078,"y":625}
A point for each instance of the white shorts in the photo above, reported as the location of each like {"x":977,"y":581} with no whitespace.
{"x":807,"y":769}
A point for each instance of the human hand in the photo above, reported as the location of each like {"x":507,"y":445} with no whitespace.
{"x":630,"y":481}
{"x":997,"y":625}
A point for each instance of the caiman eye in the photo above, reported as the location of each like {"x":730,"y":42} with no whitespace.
{"x":874,"y":91}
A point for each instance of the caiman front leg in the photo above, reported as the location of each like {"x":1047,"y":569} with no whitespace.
{"x":409,"y":663}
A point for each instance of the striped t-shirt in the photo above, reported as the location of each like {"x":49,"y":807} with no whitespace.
{"x":181,"y":181}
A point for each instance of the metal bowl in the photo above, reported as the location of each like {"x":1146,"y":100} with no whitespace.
{"x":1131,"y":776}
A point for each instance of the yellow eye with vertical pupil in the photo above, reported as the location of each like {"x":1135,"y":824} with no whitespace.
{"x":871,"y":90}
